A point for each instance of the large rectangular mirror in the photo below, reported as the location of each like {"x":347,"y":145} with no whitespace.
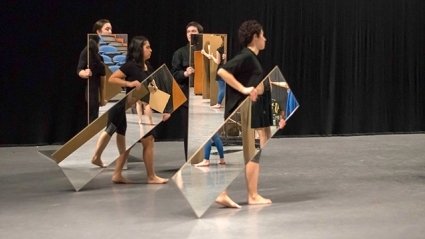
{"x":105,"y":54}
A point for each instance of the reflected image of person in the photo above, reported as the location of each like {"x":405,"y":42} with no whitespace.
{"x":100,"y":27}
{"x":219,"y":58}
{"x":130,"y":75}
{"x":207,"y":151}
{"x":242,"y":74}
{"x":182,"y":70}
{"x":94,"y":70}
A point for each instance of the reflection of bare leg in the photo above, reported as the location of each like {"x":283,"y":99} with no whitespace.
{"x":148,"y":113}
{"x":264,"y":135}
{"x":139,"y":110}
{"x":148,"y":157}
{"x":224,"y":200}
{"x":117,"y":175}
{"x":282,"y":121}
{"x":144,"y":110}
{"x":252,"y":171}
{"x":100,"y":146}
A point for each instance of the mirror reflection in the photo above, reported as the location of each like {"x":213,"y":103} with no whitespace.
{"x":209,"y":52}
{"x":160,"y":93}
{"x":105,"y":54}
{"x":213,"y":166}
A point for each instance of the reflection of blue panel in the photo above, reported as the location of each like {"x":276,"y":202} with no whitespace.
{"x":119,"y":59}
{"x":108,"y":49}
{"x":113,"y":68}
{"x":291,"y":105}
{"x":107,"y":60}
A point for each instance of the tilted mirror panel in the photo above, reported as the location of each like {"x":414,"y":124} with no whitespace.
{"x":201,"y":185}
{"x":74,"y":157}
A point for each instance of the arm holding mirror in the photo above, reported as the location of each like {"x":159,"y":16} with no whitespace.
{"x":234,"y":83}
{"x":118,"y":78}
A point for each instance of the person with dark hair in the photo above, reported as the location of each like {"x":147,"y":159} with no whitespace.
{"x":95,"y":74}
{"x":92,"y":69}
{"x":102,"y":26}
{"x":182,"y":70}
{"x":243,"y":73}
{"x":130,"y":75}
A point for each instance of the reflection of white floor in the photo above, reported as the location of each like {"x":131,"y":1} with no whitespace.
{"x":203,"y":121}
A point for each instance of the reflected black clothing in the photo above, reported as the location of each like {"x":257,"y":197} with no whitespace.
{"x":221,"y":51}
{"x":248,"y":71}
{"x":179,"y":63}
{"x":93,"y":87}
{"x":117,"y":121}
{"x":262,"y":115}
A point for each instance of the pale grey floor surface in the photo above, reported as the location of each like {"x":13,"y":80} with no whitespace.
{"x":321,"y":187}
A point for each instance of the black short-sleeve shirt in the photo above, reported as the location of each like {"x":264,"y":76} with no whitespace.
{"x":248,"y":71}
{"x":135,"y":71}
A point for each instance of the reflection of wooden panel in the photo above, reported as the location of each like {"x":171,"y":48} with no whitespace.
{"x":198,"y":79}
{"x":213,"y":83}
{"x":111,"y":90}
{"x":79,"y":139}
{"x":178,"y":96}
{"x":210,"y":43}
{"x":206,"y":80}
{"x":198,"y":157}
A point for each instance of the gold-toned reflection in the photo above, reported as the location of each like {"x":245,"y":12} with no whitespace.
{"x":201,"y":185}
{"x":209,"y":51}
{"x":74,"y":157}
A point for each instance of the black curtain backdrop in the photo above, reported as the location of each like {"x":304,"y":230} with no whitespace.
{"x":355,"y":66}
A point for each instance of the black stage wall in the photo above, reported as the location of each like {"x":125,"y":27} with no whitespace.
{"x":356,"y":66}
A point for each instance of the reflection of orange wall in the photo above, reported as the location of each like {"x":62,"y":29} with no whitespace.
{"x":111,"y":90}
{"x":205,"y":69}
{"x":199,"y":72}
{"x":210,"y":85}
{"x":214,"y":40}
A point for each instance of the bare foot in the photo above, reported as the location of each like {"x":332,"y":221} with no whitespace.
{"x":120,"y":180}
{"x":98,"y":162}
{"x":226,"y":201}
{"x":157,"y":180}
{"x":258,"y":200}
{"x":204,"y":163}
{"x":222,"y":162}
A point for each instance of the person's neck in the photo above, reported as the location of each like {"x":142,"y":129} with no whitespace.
{"x":144,"y":66}
{"x":254,"y":49}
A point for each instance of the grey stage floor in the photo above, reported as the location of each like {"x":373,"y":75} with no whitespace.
{"x":321,"y":187}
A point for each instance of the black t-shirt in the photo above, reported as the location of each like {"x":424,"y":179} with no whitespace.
{"x":96,"y":62}
{"x":248,"y":71}
{"x":135,"y":71}
{"x":221,"y":51}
